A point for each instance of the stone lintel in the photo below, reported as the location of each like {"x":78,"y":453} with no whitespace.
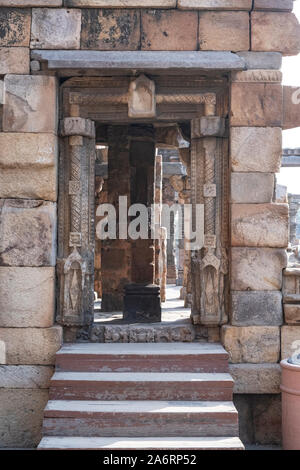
{"x":169,"y":61}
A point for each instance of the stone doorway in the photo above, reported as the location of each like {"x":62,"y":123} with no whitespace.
{"x":110,"y":122}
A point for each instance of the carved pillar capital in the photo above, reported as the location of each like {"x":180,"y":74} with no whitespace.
{"x":77,"y":126}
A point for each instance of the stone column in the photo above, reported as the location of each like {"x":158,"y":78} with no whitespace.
{"x":116,"y":254}
{"x":142,"y":301}
{"x":294,"y":206}
{"x":157,"y":215}
{"x":76,"y":222}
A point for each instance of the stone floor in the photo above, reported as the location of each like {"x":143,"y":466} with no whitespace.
{"x":172,"y":310}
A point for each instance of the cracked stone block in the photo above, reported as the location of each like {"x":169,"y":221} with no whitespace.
{"x":254,"y":188}
{"x":256,"y":308}
{"x":256,"y":378}
{"x":257,"y":269}
{"x":30,"y":104}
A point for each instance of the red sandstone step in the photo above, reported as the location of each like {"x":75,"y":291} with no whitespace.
{"x":142,"y":357}
{"x":142,"y":443}
{"x":140,"y":419}
{"x":141,"y":386}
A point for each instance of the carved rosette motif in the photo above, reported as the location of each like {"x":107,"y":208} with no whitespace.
{"x":76,"y":222}
{"x":209,"y":266}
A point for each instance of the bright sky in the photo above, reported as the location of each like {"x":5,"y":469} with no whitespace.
{"x":290,"y":177}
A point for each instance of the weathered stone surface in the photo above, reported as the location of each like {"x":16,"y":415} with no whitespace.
{"x":252,"y":188}
{"x":77,"y":127}
{"x":30,"y":104}
{"x":55,"y":28}
{"x":28,"y":233}
{"x":256,"y":104}
{"x":122,"y":3}
{"x":292,"y":314}
{"x":25,"y":377}
{"x":253,"y":344}
{"x":215,"y":4}
{"x":110,"y":29}
{"x":28,"y":164}
{"x":280,"y":5}
{"x":14,"y":60}
{"x":29,"y":345}
{"x":27,"y":297}
{"x":262,"y":60}
{"x":181,"y":62}
{"x":265,"y":225}
{"x":21,"y":417}
{"x":291,"y":107}
{"x":256,"y":308}
{"x":223,"y":31}
{"x":255,"y":378}
{"x":257,"y":268}
{"x":259,"y":418}
{"x":31,"y":3}
{"x":290,"y":341}
{"x":255,"y":149}
{"x":278,"y":32}
{"x":170,"y":30}
{"x":14,"y":27}
{"x":257,"y":76}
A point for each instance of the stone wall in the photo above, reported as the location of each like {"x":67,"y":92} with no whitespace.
{"x":260,"y":31}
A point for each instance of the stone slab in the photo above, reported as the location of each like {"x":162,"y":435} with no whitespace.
{"x":110,"y":29}
{"x":55,"y":28}
{"x":121,"y":3}
{"x":290,"y":341}
{"x":170,"y":30}
{"x":254,"y":188}
{"x":275,"y":31}
{"x":256,"y":104}
{"x":15,"y":27}
{"x":27,"y":297}
{"x":14,"y":60}
{"x":280,"y":5}
{"x":254,"y":149}
{"x":256,"y":308}
{"x":171,"y":61}
{"x":292,"y":314}
{"x":21,"y":417}
{"x":25,"y":377}
{"x":28,"y":233}
{"x":29,"y":345}
{"x":252,"y":344}
{"x":29,"y":184}
{"x":260,"y":225}
{"x":30,"y":104}
{"x":256,"y":378}
{"x":1,"y":91}
{"x":258,"y":269}
{"x":261,"y":60}
{"x":223,"y":31}
{"x":215,"y":4}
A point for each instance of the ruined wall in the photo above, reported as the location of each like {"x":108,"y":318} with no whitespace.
{"x":255,"y":338}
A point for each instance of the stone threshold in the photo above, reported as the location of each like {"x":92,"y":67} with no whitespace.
{"x":169,"y":61}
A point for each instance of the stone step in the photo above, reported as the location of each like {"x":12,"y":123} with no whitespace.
{"x":142,"y":357}
{"x":141,"y":386}
{"x":140,"y":418}
{"x":140,"y":443}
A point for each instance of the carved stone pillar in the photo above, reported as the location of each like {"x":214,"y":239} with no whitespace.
{"x":209,"y":187}
{"x":75,"y":266}
{"x":157,"y":215}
